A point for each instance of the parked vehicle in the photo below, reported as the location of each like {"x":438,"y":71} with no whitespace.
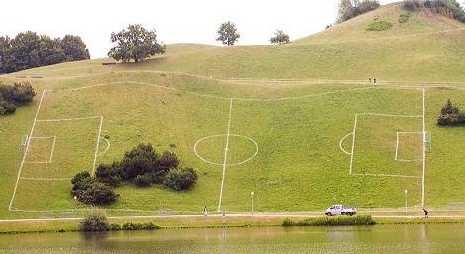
{"x":340,"y":210}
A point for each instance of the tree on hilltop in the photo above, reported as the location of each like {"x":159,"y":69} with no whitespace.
{"x":280,"y":38}
{"x":74,"y":48}
{"x":227,"y":34}
{"x":135,"y":43}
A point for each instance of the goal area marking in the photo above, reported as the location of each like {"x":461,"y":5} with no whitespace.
{"x":52,"y":150}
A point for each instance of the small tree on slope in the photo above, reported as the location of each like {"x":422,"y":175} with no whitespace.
{"x":135,"y":43}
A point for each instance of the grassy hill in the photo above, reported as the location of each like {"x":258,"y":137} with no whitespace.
{"x":305,"y":127}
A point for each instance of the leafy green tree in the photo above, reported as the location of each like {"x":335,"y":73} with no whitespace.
{"x":74,"y":48}
{"x":348,"y":9}
{"x":135,"y":43}
{"x":280,"y":38}
{"x":227,"y":34}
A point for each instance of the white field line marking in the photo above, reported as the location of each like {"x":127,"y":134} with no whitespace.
{"x":53,"y":149}
{"x":224,"y":135}
{"x":399,"y":133}
{"x":97,"y":145}
{"x":220,"y":97}
{"x":226,"y":150}
{"x":353,"y":145}
{"x":44,"y":179}
{"x":106,"y":148}
{"x":68,"y":119}
{"x":26,"y":150}
{"x":424,"y":155}
{"x":386,"y":175}
{"x":390,"y":115}
{"x":342,"y":141}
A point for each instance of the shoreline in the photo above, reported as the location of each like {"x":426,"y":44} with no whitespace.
{"x":59,"y":225}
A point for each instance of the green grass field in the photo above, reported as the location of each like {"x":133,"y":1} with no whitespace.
{"x":286,"y":114}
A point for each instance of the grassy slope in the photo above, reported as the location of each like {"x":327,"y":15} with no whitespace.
{"x":299,"y":165}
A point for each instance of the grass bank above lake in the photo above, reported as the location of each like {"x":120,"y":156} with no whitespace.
{"x":72,"y":224}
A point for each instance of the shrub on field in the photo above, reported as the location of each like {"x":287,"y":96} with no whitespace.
{"x":143,"y":166}
{"x":180,"y":179}
{"x":143,"y":180}
{"x":451,"y":115}
{"x":140,"y":160}
{"x":168,"y":160}
{"x":96,"y":222}
{"x":88,"y":191}
{"x":109,"y":174}
{"x":13,"y":96}
{"x":377,"y":26}
{"x":98,"y":194}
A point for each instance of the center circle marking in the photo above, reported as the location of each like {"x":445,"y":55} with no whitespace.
{"x":225,"y":135}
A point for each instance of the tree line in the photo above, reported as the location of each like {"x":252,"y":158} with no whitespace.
{"x":29,"y":50}
{"x":349,"y":9}
{"x":448,"y":8}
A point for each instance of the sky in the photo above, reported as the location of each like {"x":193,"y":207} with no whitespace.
{"x":176,"y":21}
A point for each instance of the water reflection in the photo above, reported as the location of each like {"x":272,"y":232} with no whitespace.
{"x":396,"y":239}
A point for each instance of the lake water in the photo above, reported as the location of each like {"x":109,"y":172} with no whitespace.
{"x":398,"y":239}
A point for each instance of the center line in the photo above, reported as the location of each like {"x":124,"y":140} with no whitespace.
{"x":226,"y":149}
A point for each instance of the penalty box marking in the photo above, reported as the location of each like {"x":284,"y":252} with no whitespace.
{"x":52,"y":150}
{"x":19,"y":177}
{"x":354,"y":132}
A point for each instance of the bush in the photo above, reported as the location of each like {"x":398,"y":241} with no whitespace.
{"x":139,"y":226}
{"x":378,"y":26}
{"x":140,"y":160}
{"x":450,"y":115}
{"x":180,"y":179}
{"x":98,"y":194}
{"x":168,"y":160}
{"x":143,"y":166}
{"x":109,"y":174}
{"x":143,"y":180}
{"x":12,"y":96}
{"x":88,"y":191}
{"x":115,"y":227}
{"x":361,"y":220}
{"x":404,"y":17}
{"x":95,"y":223}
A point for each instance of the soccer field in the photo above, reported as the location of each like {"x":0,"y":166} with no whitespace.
{"x":294,"y":151}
